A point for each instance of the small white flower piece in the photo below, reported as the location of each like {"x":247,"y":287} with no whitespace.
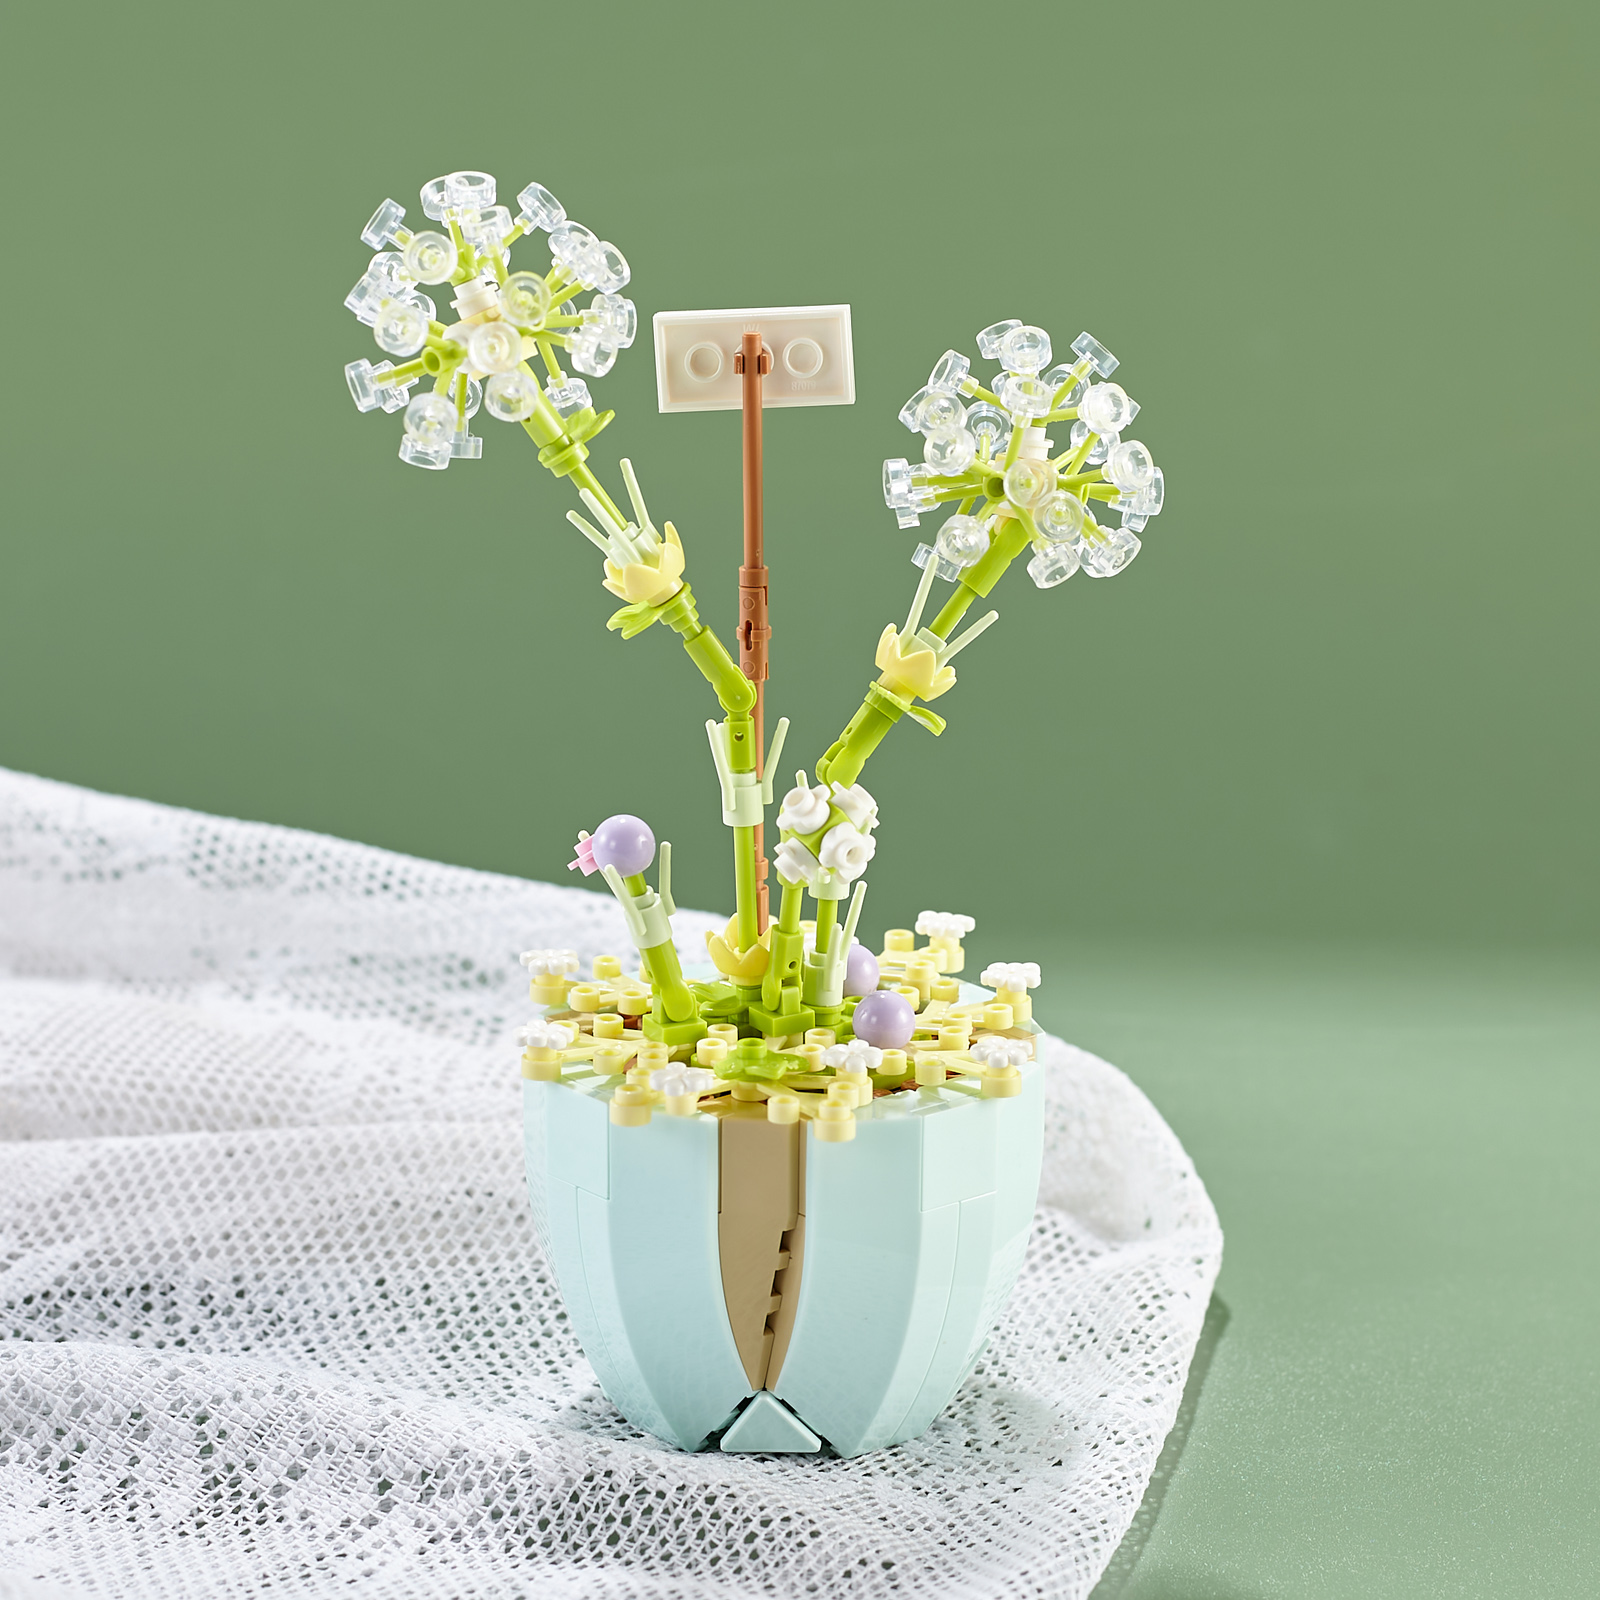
{"x":857,"y":805}
{"x":1015,"y":976}
{"x":794,"y":863}
{"x":854,"y":1056}
{"x":542,"y":1035}
{"x":846,"y":850}
{"x":995,"y":1052}
{"x":944,"y":924}
{"x":804,"y":809}
{"x":549,"y":963}
{"x":679,"y":1078}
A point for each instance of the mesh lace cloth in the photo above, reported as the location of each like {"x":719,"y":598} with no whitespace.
{"x":275,"y":1320}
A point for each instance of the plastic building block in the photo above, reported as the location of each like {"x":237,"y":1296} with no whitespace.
{"x":758,"y":1208}
{"x":768,"y":1425}
{"x":786,"y":1194}
{"x":642,"y":1279}
{"x":813,"y":361}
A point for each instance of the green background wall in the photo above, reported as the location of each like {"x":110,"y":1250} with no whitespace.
{"x":1346,"y":255}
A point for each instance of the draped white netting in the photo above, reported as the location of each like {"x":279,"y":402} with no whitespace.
{"x":274,"y":1316}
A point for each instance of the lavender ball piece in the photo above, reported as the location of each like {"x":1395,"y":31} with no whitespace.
{"x":624,"y":842}
{"x":885,"y":1020}
{"x":860,"y":970}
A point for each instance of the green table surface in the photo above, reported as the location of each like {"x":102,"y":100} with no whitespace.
{"x":1396,"y":1391}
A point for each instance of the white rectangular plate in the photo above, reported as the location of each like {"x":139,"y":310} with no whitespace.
{"x":813,"y":363}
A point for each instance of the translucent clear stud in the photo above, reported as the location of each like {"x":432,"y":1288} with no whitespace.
{"x":495,"y":347}
{"x":962,"y":541}
{"x":539,"y":209}
{"x":431,"y":420}
{"x":1106,"y":408}
{"x":394,"y":397}
{"x":466,"y":446}
{"x":574,"y":249}
{"x":469,"y":191}
{"x":931,"y":408}
{"x":433,"y":200}
{"x":362,"y":377}
{"x":510,"y":396}
{"x":989,"y":339}
{"x":1027,"y":482}
{"x":1106,"y":556}
{"x":950,"y":451}
{"x":590,"y":350}
{"x":950,"y":372}
{"x":487,"y":228}
{"x":1025,"y":397}
{"x":1124,"y":544}
{"x":384,"y":226}
{"x":1057,"y":376}
{"x":1129,"y":465}
{"x":1025,"y":349}
{"x":429,"y":257}
{"x":1060,"y":516}
{"x":1142,"y":502}
{"x":1098,"y":356}
{"x":568,"y":397}
{"x":924,"y":553}
{"x":616,"y":316}
{"x":384,"y":278}
{"x":1052,"y":565}
{"x":985,"y":421}
{"x":525,"y":300}
{"x":474,"y":398}
{"x":400,"y":327}
{"x":434,"y":457}
{"x":610,"y":270}
{"x":897,"y":482}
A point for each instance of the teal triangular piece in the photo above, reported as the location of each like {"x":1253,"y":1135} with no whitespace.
{"x":767,"y":1424}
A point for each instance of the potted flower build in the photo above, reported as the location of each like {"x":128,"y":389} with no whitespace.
{"x":786,"y":1193}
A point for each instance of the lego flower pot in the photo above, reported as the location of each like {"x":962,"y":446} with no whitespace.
{"x":753,"y":1282}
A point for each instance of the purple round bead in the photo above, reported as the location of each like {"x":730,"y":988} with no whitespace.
{"x":860,"y":970}
{"x":885,"y":1020}
{"x":624,"y":842}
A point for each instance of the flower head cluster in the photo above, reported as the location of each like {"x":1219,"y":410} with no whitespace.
{"x":842,"y":852}
{"x":985,"y":450}
{"x":1016,"y":977}
{"x":504,"y":319}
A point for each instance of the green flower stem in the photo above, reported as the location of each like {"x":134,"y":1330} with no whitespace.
{"x":827,"y":919}
{"x":547,"y":354}
{"x":745,"y":886}
{"x":666,"y":974}
{"x":1011,"y":537}
{"x":1073,"y":459}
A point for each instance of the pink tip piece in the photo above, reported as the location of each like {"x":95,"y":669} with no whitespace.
{"x":585,"y":856}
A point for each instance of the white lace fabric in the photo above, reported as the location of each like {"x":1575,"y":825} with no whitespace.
{"x":273,"y":1319}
